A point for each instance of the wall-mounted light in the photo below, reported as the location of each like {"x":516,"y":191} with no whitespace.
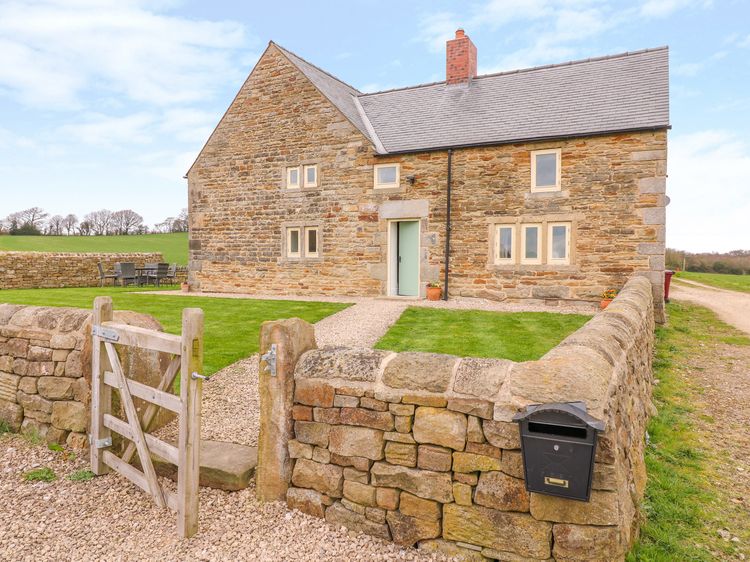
{"x":411,"y":179}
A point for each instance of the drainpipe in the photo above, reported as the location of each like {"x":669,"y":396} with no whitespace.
{"x":448,"y":226}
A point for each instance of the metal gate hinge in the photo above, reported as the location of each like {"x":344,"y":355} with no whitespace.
{"x":270,"y":358}
{"x":105,"y":333}
{"x":101,"y":443}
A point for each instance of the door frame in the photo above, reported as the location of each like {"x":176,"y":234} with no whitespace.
{"x":391,"y":288}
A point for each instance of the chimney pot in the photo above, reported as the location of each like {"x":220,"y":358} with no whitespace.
{"x":460,"y":59}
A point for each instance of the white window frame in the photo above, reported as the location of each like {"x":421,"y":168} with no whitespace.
{"x":305,"y":183}
{"x":540,"y":233}
{"x":289,"y":253}
{"x":566,"y":259}
{"x":397,"y":183}
{"x":289,"y":183}
{"x":512,"y":258}
{"x":308,"y":253}
{"x":547,"y":188}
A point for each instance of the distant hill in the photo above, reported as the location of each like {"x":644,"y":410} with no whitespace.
{"x":174,"y":247}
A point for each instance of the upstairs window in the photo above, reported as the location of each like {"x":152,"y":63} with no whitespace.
{"x":292,"y":178}
{"x":559,"y":242}
{"x":387,"y":175}
{"x":310,"y":175}
{"x":545,"y":170}
{"x":506,"y":239}
{"x":531,"y":243}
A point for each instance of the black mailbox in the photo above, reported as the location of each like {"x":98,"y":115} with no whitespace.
{"x":558,"y":444}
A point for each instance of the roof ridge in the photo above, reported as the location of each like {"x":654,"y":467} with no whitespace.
{"x":315,"y":66}
{"x":523,"y":70}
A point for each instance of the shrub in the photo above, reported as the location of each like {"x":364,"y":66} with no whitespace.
{"x":43,"y":474}
{"x":81,"y":476}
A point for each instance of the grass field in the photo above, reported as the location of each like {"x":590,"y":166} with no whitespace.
{"x":522,"y":336}
{"x":174,"y":247}
{"x":231,"y":325}
{"x":720,"y":280}
{"x":685,"y":499}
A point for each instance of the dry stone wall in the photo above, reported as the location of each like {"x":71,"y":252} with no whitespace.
{"x":421,"y":449}
{"x":45,"y":369}
{"x":37,"y":270}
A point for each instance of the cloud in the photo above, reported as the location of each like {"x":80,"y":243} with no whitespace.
{"x":710,"y":204}
{"x":664,"y":8}
{"x":105,"y":130}
{"x":53,"y":53}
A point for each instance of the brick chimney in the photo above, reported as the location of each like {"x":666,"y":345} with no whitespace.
{"x":460,"y":60}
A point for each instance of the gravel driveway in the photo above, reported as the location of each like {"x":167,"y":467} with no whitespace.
{"x":732,"y":307}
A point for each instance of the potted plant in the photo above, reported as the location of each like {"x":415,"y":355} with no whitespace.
{"x":185,"y":287}
{"x":607,"y":297}
{"x":434,"y":292}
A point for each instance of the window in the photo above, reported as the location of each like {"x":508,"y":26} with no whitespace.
{"x":293,"y":243}
{"x":311,"y":242}
{"x":531,"y":243}
{"x":310,"y":176}
{"x":558,"y":239}
{"x":387,"y":175}
{"x":292,"y":178}
{"x":505,"y":243}
{"x":545,"y":170}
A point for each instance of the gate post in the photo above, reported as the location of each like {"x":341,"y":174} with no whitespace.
{"x":101,"y":394}
{"x":292,"y":338}
{"x":189,"y":440}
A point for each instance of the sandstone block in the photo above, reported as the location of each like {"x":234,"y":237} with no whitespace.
{"x":375,"y":514}
{"x":362,"y":494}
{"x":440,"y":427}
{"x":74,"y":365}
{"x":601,"y":509}
{"x":340,"y":516}
{"x":302,"y":413}
{"x":34,"y":428}
{"x":469,"y":478}
{"x":481,"y":377}
{"x":399,"y":437}
{"x":55,"y":388}
{"x":401,"y":409}
{"x":359,"y":463}
{"x":321,"y":455}
{"x":20,"y":367}
{"x":605,"y":477}
{"x":325,"y":478}
{"x":40,"y":369}
{"x":407,"y":531}
{"x":367,"y":418}
{"x":345,"y":401}
{"x":17,"y":347}
{"x":373,"y":404}
{"x":8,"y":386}
{"x":401,"y":453}
{"x":403,"y":424}
{"x":63,"y":341}
{"x":299,"y":450}
{"x":353,"y":364}
{"x":354,"y":441}
{"x":327,"y":415}
{"x":38,"y":353}
{"x":313,"y":393}
{"x":471,"y":462}
{"x":518,"y":533}
{"x":500,"y":491}
{"x":72,"y":416}
{"x":450,"y":550}
{"x":513,"y":463}
{"x":314,"y":433}
{"x":423,"y":483}
{"x":586,"y":542}
{"x":361,"y":476}
{"x":60,"y":355}
{"x":432,"y":457}
{"x":12,"y":414}
{"x":462,"y":493}
{"x":484,"y":449}
{"x":27,"y":385}
{"x":473,"y":406}
{"x":504,"y":435}
{"x":419,"y":507}
{"x":307,"y":501}
{"x":474,"y":431}
{"x":387,"y":498}
{"x":33,"y":402}
{"x":425,"y":400}
{"x":57,"y":436}
{"x":429,"y":372}
{"x":6,"y":363}
{"x":77,"y":440}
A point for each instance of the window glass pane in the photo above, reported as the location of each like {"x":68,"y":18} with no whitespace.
{"x":559,"y":242}
{"x":505,"y":238}
{"x":387,"y":175}
{"x":531,"y":251}
{"x":546,"y":170}
{"x":294,"y":241}
{"x":293,"y":176}
{"x":312,"y":241}
{"x":310,"y":171}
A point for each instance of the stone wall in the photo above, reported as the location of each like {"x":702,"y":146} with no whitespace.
{"x":420,"y":448}
{"x":613,"y":195}
{"x":45,"y":369}
{"x":37,"y":270}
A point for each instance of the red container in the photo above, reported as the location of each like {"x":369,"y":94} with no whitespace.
{"x":667,"y":280}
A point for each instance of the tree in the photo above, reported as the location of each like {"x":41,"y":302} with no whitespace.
{"x":126,"y":221}
{"x":84,"y":228}
{"x":69,"y":223}
{"x":180,"y":224}
{"x":55,"y":225}
{"x":34,"y":216}
{"x":100,"y":221}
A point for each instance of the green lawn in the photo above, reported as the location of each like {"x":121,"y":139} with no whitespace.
{"x":685,"y":499}
{"x":521,"y":336}
{"x":174,"y":247}
{"x":231,"y":325}
{"x":721,"y":280}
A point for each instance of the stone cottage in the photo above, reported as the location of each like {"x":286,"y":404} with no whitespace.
{"x":543,"y":183}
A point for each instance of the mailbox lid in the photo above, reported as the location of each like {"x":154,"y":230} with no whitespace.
{"x":570,"y":414}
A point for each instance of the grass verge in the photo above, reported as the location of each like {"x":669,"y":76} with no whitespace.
{"x":519,"y":336}
{"x":231,"y":326}
{"x":721,"y":280}
{"x":43,"y":474}
{"x":683,"y":505}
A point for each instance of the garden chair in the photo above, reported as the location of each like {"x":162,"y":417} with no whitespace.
{"x":161,"y":272}
{"x":172,"y":274}
{"x":127,"y":274}
{"x":103,"y":276}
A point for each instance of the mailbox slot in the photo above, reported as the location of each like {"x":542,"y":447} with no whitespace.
{"x":558,"y":445}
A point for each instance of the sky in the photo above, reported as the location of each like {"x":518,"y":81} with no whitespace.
{"x":106,"y":103}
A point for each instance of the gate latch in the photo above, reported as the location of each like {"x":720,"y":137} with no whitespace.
{"x":107,"y":334}
{"x":270,"y":358}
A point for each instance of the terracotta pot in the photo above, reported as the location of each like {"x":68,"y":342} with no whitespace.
{"x":185,"y":287}
{"x":434,"y":293}
{"x":605,"y":303}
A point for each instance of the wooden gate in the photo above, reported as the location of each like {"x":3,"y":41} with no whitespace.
{"x":186,"y":358}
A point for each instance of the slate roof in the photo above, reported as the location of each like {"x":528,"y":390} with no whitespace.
{"x":618,"y":93}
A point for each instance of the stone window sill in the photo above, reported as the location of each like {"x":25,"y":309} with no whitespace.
{"x":564,"y":194}
{"x":519,"y":268}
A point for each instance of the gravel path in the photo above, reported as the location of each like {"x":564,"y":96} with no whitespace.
{"x":732,"y":307}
